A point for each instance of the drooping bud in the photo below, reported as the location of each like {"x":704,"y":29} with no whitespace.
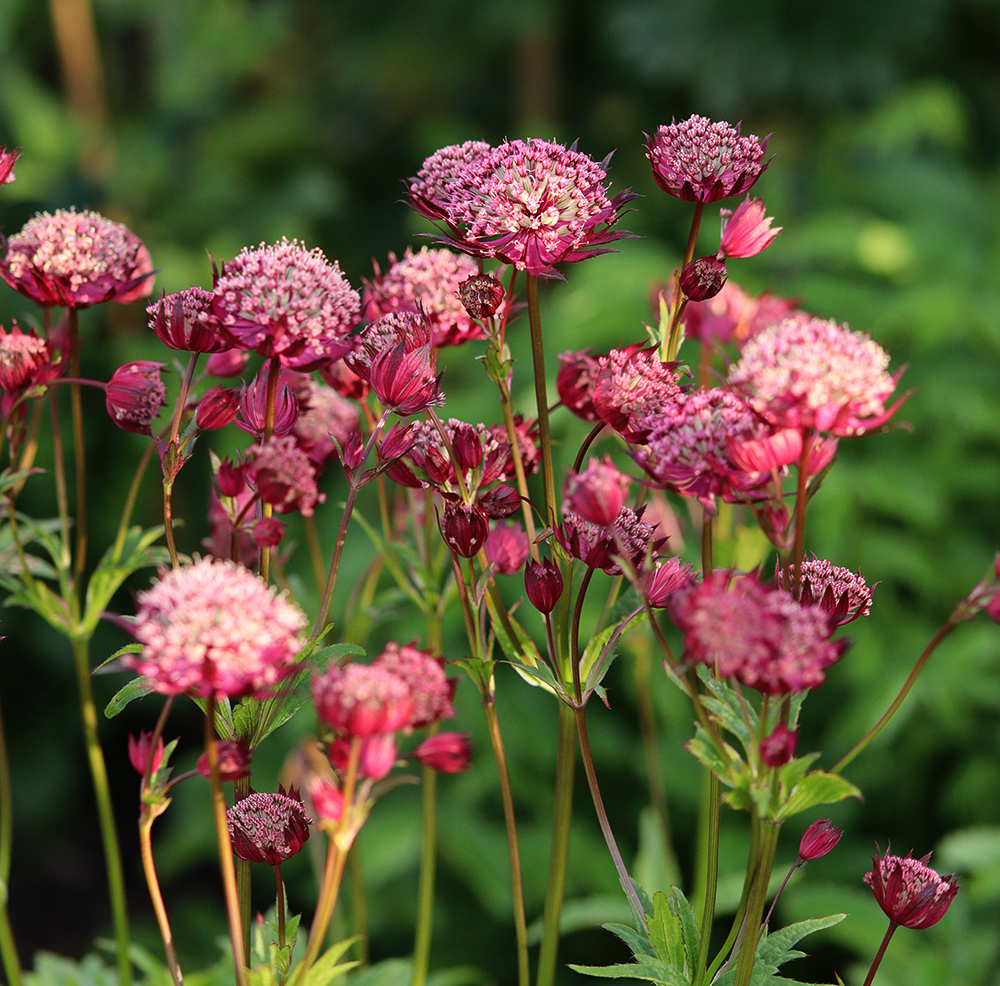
{"x":268,"y":532}
{"x":327,"y":800}
{"x":227,"y":364}
{"x":217,"y":408}
{"x":465,"y":528}
{"x":703,"y":278}
{"x":448,"y":753}
{"x":231,"y":479}
{"x":482,"y":295}
{"x":135,"y":394}
{"x":544,"y":584}
{"x":819,"y":839}
{"x":778,"y":748}
{"x":377,"y":755}
{"x":186,"y":321}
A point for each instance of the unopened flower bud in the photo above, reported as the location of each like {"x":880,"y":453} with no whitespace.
{"x":138,"y":752}
{"x":500,"y":502}
{"x":217,"y":408}
{"x":135,"y":395}
{"x":268,"y":532}
{"x":465,"y":529}
{"x":598,"y":493}
{"x":231,"y":479}
{"x":703,"y":278}
{"x":778,"y":748}
{"x":544,"y":584}
{"x":482,"y":295}
{"x":377,"y":755}
{"x":819,"y":839}
{"x":227,"y":364}
{"x":448,"y":753}
{"x":398,"y":440}
{"x":327,"y":800}
{"x":234,"y":761}
{"x":507,"y":548}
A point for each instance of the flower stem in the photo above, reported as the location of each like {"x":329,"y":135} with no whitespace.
{"x":8,"y":950}
{"x":159,"y":909}
{"x":877,"y":961}
{"x":425,"y":893}
{"x":79,"y":449}
{"x":755,"y":904}
{"x":241,"y":788}
{"x":541,"y":400}
{"x":707,"y":866}
{"x":105,"y":814}
{"x":280,"y":905}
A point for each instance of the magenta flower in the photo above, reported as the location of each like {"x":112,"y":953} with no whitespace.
{"x":7,"y":159}
{"x":600,"y":546}
{"x":482,"y":295}
{"x":819,"y":839}
{"x":909,"y":892}
{"x":666,"y":578}
{"x":362,"y":699}
{"x":841,"y":593}
{"x":632,"y":390}
{"x":703,"y":278}
{"x":253,"y":404}
{"x":141,"y":755}
{"x":747,"y":231}
{"x":407,"y":382}
{"x":733,"y":316}
{"x":777,"y":748}
{"x":187,"y":322}
{"x":284,"y":476}
{"x":534,"y":204}
{"x":507,"y":547}
{"x":234,"y":761}
{"x":429,"y":282}
{"x":432,"y":192}
{"x":810,"y":373}
{"x":287,"y":301}
{"x":75,"y":259}
{"x":227,"y":364}
{"x":598,"y":493}
{"x":25,"y":362}
{"x":447,"y":753}
{"x":268,"y":828}
{"x":213,"y":628}
{"x":465,"y":528}
{"x":135,"y":394}
{"x":575,"y":383}
{"x":703,"y":161}
{"x":217,"y":408}
{"x":431,"y":691}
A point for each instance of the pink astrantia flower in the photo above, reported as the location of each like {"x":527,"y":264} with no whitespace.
{"x":777,"y":748}
{"x":819,"y":839}
{"x":25,"y":362}
{"x":703,"y":278}
{"x":362,"y":699}
{"x":598,"y":493}
{"x":747,"y":231}
{"x":842,"y":594}
{"x":75,"y":259}
{"x":215,"y":629}
{"x":135,"y":394}
{"x":430,"y":282}
{"x":448,"y":753}
{"x":287,"y":301}
{"x":187,"y":322}
{"x":811,"y":373}
{"x":755,"y":633}
{"x":409,"y":329}
{"x":632,"y":388}
{"x":284,"y":476}
{"x":702,"y":161}
{"x":407,"y":382}
{"x":431,"y":691}
{"x":909,"y":891}
{"x":666,"y":578}
{"x":7,"y":159}
{"x":687,"y":446}
{"x":534,"y":204}
{"x":599,"y":546}
{"x":141,"y":754}
{"x":433,"y":190}
{"x":326,"y":421}
{"x":507,"y":547}
{"x":253,"y":404}
{"x":482,"y":295}
{"x":234,"y":761}
{"x":578,"y":372}
{"x":268,"y":828}
{"x":464,"y":527}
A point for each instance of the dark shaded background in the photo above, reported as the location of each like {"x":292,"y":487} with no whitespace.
{"x":213,"y":124}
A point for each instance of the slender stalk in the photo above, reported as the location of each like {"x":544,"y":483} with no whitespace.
{"x":8,"y":950}
{"x":172,"y":452}
{"x":105,"y":814}
{"x":755,"y":904}
{"x":133,"y":493}
{"x":79,"y":449}
{"x":358,"y":909}
{"x":541,"y":400}
{"x":159,"y":909}
{"x":801,"y":501}
{"x":425,"y":893}
{"x":62,"y":501}
{"x":877,"y":961}
{"x":707,"y":865}
{"x":562,"y":816}
{"x":280,"y":905}
{"x":241,"y":788}
{"x":513,"y":851}
{"x":315,"y":552}
{"x":225,"y":849}
{"x":943,"y":632}
{"x":706,"y":544}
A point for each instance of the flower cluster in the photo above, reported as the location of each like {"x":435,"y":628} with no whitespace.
{"x":909,"y":891}
{"x":268,"y":828}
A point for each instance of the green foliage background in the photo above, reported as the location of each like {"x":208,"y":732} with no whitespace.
{"x":235,"y":121}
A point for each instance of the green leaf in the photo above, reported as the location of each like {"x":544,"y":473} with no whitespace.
{"x":327,"y":967}
{"x":665,"y":933}
{"x":523,"y":650}
{"x":817,"y":788}
{"x":653,"y":970}
{"x":540,"y":675}
{"x":690,"y":932}
{"x":129,"y":692}
{"x":638,"y":941}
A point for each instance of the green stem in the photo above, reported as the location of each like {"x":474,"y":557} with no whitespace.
{"x":562,"y":816}
{"x":877,"y":961}
{"x":105,"y":814}
{"x":425,"y":893}
{"x":513,"y":852}
{"x":707,"y":865}
{"x":541,"y":400}
{"x":133,"y":493}
{"x":241,"y":788}
{"x":755,"y":904}
{"x":359,"y":910}
{"x":171,"y":453}
{"x":8,"y":950}
{"x":153,"y":883}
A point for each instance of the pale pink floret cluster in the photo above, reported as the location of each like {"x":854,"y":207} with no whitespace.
{"x":215,"y":629}
{"x":633,"y":387}
{"x":268,"y":827}
{"x":808,"y":372}
{"x":757,"y":634}
{"x":431,"y":690}
{"x":842,"y":593}
{"x":702,"y":161}
{"x":22,"y":355}
{"x":432,"y":191}
{"x":75,"y":259}
{"x":285,"y":476}
{"x":688,"y":445}
{"x":909,"y":892}
{"x":287,"y":301}
{"x":428,"y":281}
{"x":362,"y":700}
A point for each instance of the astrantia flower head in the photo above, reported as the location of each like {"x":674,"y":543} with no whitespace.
{"x":327,"y":420}
{"x":362,"y":699}
{"x":534,"y":204}
{"x":135,"y":394}
{"x":287,"y":301}
{"x":428,"y":282}
{"x":25,"y":361}
{"x":432,"y":191}
{"x":733,"y":316}
{"x":842,"y":594}
{"x":599,"y":546}
{"x":756,"y":633}
{"x":430,"y":689}
{"x":634,"y":385}
{"x":702,"y":161}
{"x":808,"y":372}
{"x":747,"y":231}
{"x":909,"y":891}
{"x":407,"y":382}
{"x":599,"y":492}
{"x":215,"y":629}
{"x":268,"y":828}
{"x":75,"y":259}
{"x":411,"y":329}
{"x":187,"y":322}
{"x":578,"y":372}
{"x":284,"y":476}
{"x":507,"y":547}
{"x":253,"y":404}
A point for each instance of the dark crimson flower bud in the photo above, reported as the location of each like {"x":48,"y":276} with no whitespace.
{"x":135,"y":394}
{"x":598,"y":493}
{"x":501,"y":501}
{"x":575,"y":383}
{"x":7,"y":159}
{"x":544,"y":584}
{"x":399,"y":472}
{"x":227,"y":364}
{"x":467,"y":447}
{"x":819,"y":839}
{"x":482,"y":295}
{"x":909,"y":891}
{"x":407,"y":382}
{"x":465,"y":528}
{"x":268,"y":828}
{"x":351,"y":451}
{"x":253,"y":405}
{"x":186,"y":321}
{"x":377,"y":755}
{"x":703,"y":278}
{"x":778,"y":748}
{"x":666,"y":579}
{"x":234,"y":761}
{"x":217,"y":408}
{"x":398,"y":440}
{"x":138,"y":752}
{"x":507,"y":548}
{"x":231,"y":479}
{"x":268,"y":532}
{"x":448,"y":753}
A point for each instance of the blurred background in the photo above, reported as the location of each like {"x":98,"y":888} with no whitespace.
{"x":214,"y":124}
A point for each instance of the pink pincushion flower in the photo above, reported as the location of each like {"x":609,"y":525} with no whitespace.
{"x":599,"y":546}
{"x":76,"y":259}
{"x":268,"y":828}
{"x":841,"y":593}
{"x":135,"y":394}
{"x":812,"y":373}
{"x":362,"y":699}
{"x":578,"y":372}
{"x":633,"y":384}
{"x":702,"y":161}
{"x":431,"y":691}
{"x":25,"y":362}
{"x":287,"y":301}
{"x":758,"y":634}
{"x":534,"y":204}
{"x":687,"y":446}
{"x":187,"y":322}
{"x":215,"y":629}
{"x":507,"y":547}
{"x":253,"y":404}
{"x":7,"y":159}
{"x":598,"y":493}
{"x":327,"y":420}
{"x":284,"y":476}
{"x":432,"y":191}
{"x":407,"y":382}
{"x":409,"y":329}
{"x":430,"y":282}
{"x":747,"y":231}
{"x":909,"y":891}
